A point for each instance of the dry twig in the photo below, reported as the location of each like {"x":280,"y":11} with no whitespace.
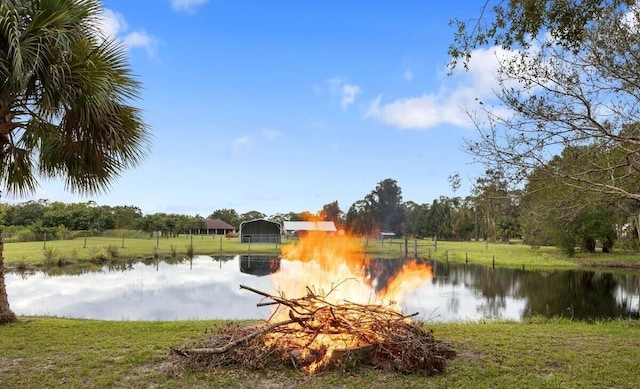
{"x":320,"y":335}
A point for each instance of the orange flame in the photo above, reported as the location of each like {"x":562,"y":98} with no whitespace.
{"x":336,"y":267}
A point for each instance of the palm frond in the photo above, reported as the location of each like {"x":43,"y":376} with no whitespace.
{"x":68,"y":95}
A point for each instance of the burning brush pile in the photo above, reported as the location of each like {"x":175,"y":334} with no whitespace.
{"x":322,"y":331}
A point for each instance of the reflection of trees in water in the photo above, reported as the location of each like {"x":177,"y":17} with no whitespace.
{"x":629,"y":283}
{"x":110,"y":265}
{"x":577,"y":294}
{"x":493,"y":285}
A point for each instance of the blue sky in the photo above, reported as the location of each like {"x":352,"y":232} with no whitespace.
{"x":280,"y":106}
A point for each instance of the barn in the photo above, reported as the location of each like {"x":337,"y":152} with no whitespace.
{"x":259,"y":231}
{"x":215,"y":227}
{"x":298,"y":228}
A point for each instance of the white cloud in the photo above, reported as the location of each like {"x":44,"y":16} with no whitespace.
{"x":187,"y":5}
{"x":240,"y":144}
{"x":447,"y":105}
{"x":346,"y":93}
{"x":349,"y":93}
{"x":631,"y":19}
{"x":113,"y":26}
{"x":422,"y":112}
{"x":141,"y":39}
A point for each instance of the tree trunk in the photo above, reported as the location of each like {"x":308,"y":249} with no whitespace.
{"x":6,"y":315}
{"x":589,"y":245}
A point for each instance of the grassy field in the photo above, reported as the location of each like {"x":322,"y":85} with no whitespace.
{"x":101,"y":249}
{"x":96,"y":248}
{"x":537,"y":353}
{"x":534,"y":353}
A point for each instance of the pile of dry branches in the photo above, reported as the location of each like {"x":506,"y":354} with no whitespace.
{"x":318,"y":336}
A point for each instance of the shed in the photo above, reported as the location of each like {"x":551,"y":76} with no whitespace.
{"x":387,"y":235}
{"x":215,"y":227}
{"x":292,"y":228}
{"x":260,"y":231}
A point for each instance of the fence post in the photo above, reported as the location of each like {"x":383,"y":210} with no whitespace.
{"x":123,"y":240}
{"x":45,"y":241}
{"x":406,"y":246}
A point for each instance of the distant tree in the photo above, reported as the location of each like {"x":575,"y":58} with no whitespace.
{"x":153,"y":222}
{"x":289,"y":216}
{"x":192,"y":223}
{"x":497,"y":206}
{"x":56,"y":214}
{"x":450,"y":218}
{"x":416,"y":219}
{"x":26,"y":213}
{"x":332,"y":212}
{"x":102,"y":218}
{"x":386,"y":200}
{"x":362,"y":218}
{"x":565,"y":216}
{"x":126,"y":216}
{"x":64,"y":96}
{"x":81,"y":216}
{"x":227,"y":215}
{"x":251,"y":215}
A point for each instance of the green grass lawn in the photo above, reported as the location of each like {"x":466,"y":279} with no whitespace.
{"x":535,"y":353}
{"x":85,"y":249}
{"x":514,"y":254}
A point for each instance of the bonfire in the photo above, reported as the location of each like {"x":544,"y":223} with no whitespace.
{"x":343,"y":315}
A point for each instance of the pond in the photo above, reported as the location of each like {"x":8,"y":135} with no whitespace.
{"x":209,"y":288}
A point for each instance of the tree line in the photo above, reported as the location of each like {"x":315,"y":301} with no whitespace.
{"x":539,"y":214}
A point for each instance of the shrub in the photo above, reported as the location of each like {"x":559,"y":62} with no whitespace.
{"x":50,"y":256}
{"x":98,"y":255}
{"x":174,"y":251}
{"x":190,"y":251}
{"x":112,"y":251}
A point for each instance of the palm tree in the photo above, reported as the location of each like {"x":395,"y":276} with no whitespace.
{"x":63,"y":103}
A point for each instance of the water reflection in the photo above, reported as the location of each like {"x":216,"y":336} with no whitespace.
{"x":208,"y":288}
{"x":576,"y":294}
{"x":259,"y":265}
